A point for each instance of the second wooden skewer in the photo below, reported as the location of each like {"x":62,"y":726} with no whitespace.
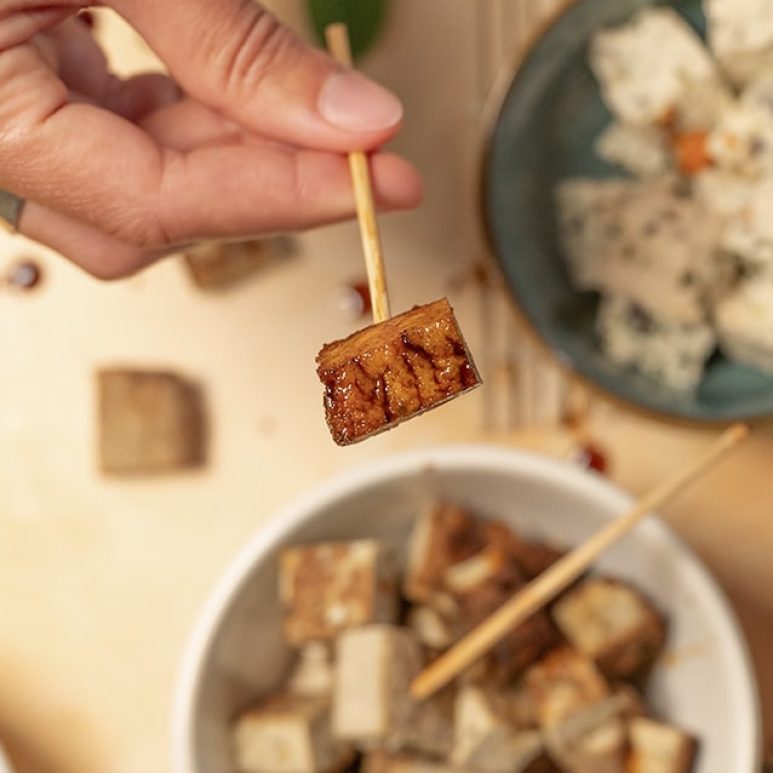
{"x":563,"y":573}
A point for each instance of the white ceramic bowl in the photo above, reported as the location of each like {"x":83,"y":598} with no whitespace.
{"x":237,"y":652}
{"x":5,"y":766}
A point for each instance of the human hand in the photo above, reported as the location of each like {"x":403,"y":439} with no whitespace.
{"x":116,"y":173}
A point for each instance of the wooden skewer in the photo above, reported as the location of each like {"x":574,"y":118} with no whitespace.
{"x":337,"y":38}
{"x":563,"y":573}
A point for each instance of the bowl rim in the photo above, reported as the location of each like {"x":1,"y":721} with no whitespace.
{"x":494,"y":105}
{"x":5,"y":764}
{"x":481,"y":457}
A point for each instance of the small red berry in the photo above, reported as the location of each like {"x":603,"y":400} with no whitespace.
{"x":591,"y":457}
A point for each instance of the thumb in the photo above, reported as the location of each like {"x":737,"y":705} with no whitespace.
{"x":236,"y":57}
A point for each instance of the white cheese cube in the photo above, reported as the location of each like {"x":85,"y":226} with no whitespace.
{"x":659,"y":748}
{"x":648,"y":66}
{"x":330,"y":587}
{"x":287,"y":734}
{"x":612,"y":623}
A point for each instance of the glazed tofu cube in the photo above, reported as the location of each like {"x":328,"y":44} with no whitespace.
{"x":431,"y":628}
{"x":327,"y":588}
{"x":476,"y":601}
{"x":383,"y":762}
{"x":314,"y":672}
{"x":288,"y":734}
{"x":149,"y":422}
{"x":372,"y":702}
{"x":465,"y":568}
{"x":659,"y":748}
{"x":219,"y":265}
{"x":614,"y":624}
{"x":563,"y":683}
{"x":485,"y":740}
{"x":442,"y":538}
{"x":592,"y":740}
{"x":395,"y":370}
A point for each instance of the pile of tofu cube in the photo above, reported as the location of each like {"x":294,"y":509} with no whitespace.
{"x":561,"y":693}
{"x":681,"y":247}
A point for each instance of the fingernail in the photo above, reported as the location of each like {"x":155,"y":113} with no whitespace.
{"x":351,"y":101}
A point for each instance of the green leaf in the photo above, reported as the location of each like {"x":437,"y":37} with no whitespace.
{"x":364,"y":19}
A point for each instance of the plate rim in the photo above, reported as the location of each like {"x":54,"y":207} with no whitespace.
{"x":492,"y":112}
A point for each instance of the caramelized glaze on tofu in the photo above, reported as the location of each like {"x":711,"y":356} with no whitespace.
{"x":613,"y":623}
{"x":392,"y":371}
{"x":327,"y":588}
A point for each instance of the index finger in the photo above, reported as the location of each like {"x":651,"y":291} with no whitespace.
{"x":235,"y":56}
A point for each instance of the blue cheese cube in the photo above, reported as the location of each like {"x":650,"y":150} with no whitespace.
{"x":589,"y":213}
{"x":672,"y":354}
{"x":741,"y":36}
{"x":722,"y":193}
{"x":750,"y":233}
{"x":643,"y":151}
{"x":742,"y":140}
{"x":641,"y":240}
{"x":649,"y":66}
{"x":665,"y":259}
{"x":744,"y":321}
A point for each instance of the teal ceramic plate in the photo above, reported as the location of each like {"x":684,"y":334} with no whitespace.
{"x":549,"y":118}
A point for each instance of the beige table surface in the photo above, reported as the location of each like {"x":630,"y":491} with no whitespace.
{"x":100,"y":581}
